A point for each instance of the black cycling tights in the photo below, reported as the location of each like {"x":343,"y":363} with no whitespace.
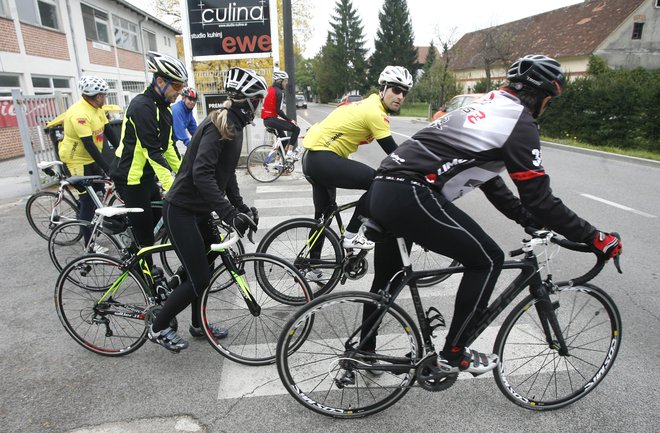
{"x":87,"y":205}
{"x":282,"y":125}
{"x":191,"y":236}
{"x":141,"y":196}
{"x":423,"y":216}
{"x":328,"y":171}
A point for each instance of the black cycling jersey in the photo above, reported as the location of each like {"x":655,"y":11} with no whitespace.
{"x":469,"y":147}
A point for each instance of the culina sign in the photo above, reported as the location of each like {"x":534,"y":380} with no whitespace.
{"x":222,"y":27}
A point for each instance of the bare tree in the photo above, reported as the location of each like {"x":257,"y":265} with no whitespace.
{"x":497,"y":49}
{"x":447,"y":40}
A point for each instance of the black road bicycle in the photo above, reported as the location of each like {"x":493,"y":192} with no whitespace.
{"x":555,"y":346}
{"x":106,"y":304}
{"x":315,"y":249}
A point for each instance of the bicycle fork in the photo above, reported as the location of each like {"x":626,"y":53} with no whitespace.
{"x":545,"y":309}
{"x":244,"y":288}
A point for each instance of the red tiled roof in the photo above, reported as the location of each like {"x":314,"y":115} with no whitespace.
{"x":570,"y":31}
{"x":423,"y":51}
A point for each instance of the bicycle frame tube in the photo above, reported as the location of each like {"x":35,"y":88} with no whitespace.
{"x":237,"y":276}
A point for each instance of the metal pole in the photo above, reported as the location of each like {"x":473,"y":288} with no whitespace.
{"x":24,"y":129}
{"x":289,"y":62}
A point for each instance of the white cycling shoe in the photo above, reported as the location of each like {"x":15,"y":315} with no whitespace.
{"x":359,"y":241}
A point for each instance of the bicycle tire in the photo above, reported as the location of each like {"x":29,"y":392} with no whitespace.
{"x":532,"y":373}
{"x":424,"y":259}
{"x":252,"y":338}
{"x":310,"y":372}
{"x":289,"y":241}
{"x":66,"y":243}
{"x":87,"y":320}
{"x":262,"y":163}
{"x":38,"y":211}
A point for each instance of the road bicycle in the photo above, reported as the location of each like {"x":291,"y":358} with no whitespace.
{"x":268,"y":162}
{"x":45,"y":210}
{"x":363,"y":352}
{"x":315,"y":249}
{"x":106,"y":304}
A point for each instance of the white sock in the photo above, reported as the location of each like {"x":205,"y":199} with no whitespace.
{"x":349,"y":235}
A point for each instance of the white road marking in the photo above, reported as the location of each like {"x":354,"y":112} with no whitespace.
{"x":283,"y":188}
{"x":402,"y":135}
{"x":290,"y":202}
{"x":620,"y":206}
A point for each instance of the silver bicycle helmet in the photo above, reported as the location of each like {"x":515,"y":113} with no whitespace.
{"x":280,"y":75}
{"x":539,"y":72}
{"x":396,"y":75}
{"x":245,"y":83}
{"x":90,"y":86}
{"x":166,"y":66}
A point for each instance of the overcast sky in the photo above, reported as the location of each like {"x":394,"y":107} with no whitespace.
{"x":430,"y":18}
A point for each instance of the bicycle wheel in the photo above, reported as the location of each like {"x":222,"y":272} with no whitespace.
{"x":113,"y":325}
{"x":324,"y":373}
{"x":39,"y":208}
{"x":289,"y":240}
{"x":67,"y":242}
{"x":265,"y":164}
{"x":533,"y":374}
{"x":253,"y":335}
{"x":423,"y":259}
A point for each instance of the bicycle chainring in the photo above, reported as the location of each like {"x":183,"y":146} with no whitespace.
{"x":356,"y":267}
{"x":430,"y":379}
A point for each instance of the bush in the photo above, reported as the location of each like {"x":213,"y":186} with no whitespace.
{"x":612,"y":108}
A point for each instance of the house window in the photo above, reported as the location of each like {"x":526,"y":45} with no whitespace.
{"x":97,"y":27}
{"x":42,"y":12}
{"x":168,"y":41}
{"x":4,"y":10}
{"x":637,"y":30}
{"x":48,"y":85}
{"x":126,"y":34}
{"x":149,"y":39}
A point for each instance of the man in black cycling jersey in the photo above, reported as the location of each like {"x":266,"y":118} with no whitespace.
{"x":415,"y":185}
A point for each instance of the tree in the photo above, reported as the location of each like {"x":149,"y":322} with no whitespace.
{"x":427,"y":89}
{"x":394,"y":43}
{"x":342,"y":66}
{"x":430,"y":57}
{"x":497,"y":49}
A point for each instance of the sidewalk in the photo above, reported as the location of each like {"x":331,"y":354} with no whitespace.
{"x":15,"y":183}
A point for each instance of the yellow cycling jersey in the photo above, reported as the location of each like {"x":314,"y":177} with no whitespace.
{"x":81,"y":120}
{"x":349,"y":126}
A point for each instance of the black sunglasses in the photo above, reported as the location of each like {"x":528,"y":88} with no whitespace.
{"x":398,"y":91}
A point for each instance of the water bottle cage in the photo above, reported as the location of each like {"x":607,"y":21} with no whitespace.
{"x":434,"y":319}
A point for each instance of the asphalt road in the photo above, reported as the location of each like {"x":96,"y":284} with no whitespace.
{"x":51,"y":384}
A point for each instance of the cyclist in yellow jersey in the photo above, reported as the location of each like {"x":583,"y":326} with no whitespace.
{"x":85,"y":126}
{"x":330,"y":142}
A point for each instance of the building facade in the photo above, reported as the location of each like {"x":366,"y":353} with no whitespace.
{"x":47,"y":45}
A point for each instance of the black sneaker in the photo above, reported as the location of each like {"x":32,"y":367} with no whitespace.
{"x":470,"y":361}
{"x":218,"y":331}
{"x":168,"y":338}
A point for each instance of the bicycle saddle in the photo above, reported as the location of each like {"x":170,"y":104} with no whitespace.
{"x":82,"y":181}
{"x":374,"y":231}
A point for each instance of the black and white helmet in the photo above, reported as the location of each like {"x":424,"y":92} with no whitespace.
{"x":538,"y":72}
{"x":245,"y":83}
{"x":90,"y":86}
{"x":166,"y":66}
{"x":397,"y":75}
{"x":280,"y":75}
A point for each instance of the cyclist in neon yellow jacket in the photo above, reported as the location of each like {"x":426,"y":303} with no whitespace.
{"x":147,"y":149}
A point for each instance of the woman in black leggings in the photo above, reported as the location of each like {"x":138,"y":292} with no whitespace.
{"x":207,"y":171}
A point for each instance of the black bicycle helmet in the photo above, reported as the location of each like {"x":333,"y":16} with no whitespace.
{"x":538,"y":72}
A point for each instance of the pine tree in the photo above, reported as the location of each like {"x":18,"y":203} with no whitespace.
{"x":343,"y":65}
{"x":430,"y":57}
{"x":394,"y":43}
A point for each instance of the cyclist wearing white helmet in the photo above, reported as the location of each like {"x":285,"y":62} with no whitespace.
{"x":330,"y":142}
{"x":208,"y":171}
{"x":182,"y":116}
{"x":413,"y":193}
{"x":147,"y":148}
{"x":85,"y":127}
{"x":273,"y":114}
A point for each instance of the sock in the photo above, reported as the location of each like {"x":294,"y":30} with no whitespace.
{"x":452,"y":353}
{"x":349,"y":235}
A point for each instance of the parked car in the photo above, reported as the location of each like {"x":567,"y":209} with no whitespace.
{"x":300,"y":101}
{"x":457,"y":101}
{"x":347,"y":99}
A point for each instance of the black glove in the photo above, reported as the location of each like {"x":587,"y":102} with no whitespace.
{"x":254,"y":215}
{"x":607,"y":244}
{"x":242,"y":223}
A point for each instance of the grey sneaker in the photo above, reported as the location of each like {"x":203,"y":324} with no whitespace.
{"x":168,"y":338}
{"x":217,"y":331}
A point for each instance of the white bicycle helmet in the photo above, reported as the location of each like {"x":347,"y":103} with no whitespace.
{"x":245,"y":83}
{"x":90,"y":86}
{"x":397,"y":75}
{"x":280,"y":75}
{"x":166,"y":66}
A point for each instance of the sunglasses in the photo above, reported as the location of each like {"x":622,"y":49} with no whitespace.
{"x":399,"y":91}
{"x":176,"y":85}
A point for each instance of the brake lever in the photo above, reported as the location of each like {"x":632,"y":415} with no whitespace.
{"x":617,"y":263}
{"x":249,"y":236}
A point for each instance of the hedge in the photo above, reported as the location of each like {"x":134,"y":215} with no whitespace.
{"x":614,"y":108}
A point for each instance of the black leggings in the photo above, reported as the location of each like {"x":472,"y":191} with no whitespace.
{"x":282,"y":125}
{"x":421,"y":215}
{"x":191,"y":236}
{"x":328,"y":171}
{"x":87,"y":205}
{"x":141,"y":196}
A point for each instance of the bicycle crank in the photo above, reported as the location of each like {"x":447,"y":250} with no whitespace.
{"x":356,"y":266}
{"x":431,"y":378}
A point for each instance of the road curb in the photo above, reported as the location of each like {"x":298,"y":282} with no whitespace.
{"x":614,"y":156}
